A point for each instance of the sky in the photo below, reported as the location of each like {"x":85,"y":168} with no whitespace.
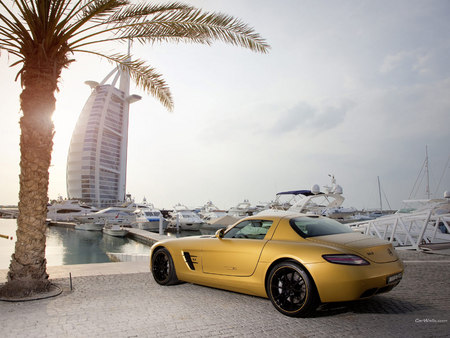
{"x":357,"y":89}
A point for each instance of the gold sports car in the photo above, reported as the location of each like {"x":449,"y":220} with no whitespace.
{"x":296,"y":260}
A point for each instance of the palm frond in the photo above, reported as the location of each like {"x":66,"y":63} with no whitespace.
{"x":97,"y":11}
{"x":52,"y":29}
{"x":14,"y":24}
{"x":144,"y":76}
{"x":187,"y":25}
{"x":134,"y":12}
{"x":196,"y":24}
{"x":131,"y":14}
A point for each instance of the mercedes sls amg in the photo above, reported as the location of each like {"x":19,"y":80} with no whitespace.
{"x":298,"y":261}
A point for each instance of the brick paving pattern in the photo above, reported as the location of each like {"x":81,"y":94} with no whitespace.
{"x":133,"y":305}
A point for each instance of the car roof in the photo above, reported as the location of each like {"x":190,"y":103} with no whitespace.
{"x":276,"y":215}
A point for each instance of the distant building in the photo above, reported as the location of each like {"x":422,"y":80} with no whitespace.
{"x":97,"y":158}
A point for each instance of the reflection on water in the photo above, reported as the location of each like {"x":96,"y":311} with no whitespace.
{"x":65,"y":246}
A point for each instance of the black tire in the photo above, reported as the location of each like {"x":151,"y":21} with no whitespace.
{"x":163,"y":269}
{"x":291,"y":290}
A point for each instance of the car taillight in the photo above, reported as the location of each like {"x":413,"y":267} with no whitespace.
{"x":345,"y":259}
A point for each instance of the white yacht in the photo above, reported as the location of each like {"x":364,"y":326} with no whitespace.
{"x":327,"y":203}
{"x":419,"y":228}
{"x":90,"y":226}
{"x":185,"y":218}
{"x":149,"y":218}
{"x":123,"y":214}
{"x":209,"y":212}
{"x":64,"y":210}
{"x":115,"y":230}
{"x":111,"y":214}
{"x":242,"y":209}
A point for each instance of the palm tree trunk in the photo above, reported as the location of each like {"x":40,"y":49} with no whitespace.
{"x":27,"y":272}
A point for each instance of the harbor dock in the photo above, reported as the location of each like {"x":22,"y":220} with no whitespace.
{"x":145,"y":237}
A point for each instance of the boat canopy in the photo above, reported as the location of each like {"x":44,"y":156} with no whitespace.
{"x":299,"y":192}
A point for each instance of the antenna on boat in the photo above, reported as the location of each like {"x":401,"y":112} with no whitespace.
{"x":335,"y":188}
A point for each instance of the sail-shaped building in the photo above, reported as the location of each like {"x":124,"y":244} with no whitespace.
{"x":97,"y":158}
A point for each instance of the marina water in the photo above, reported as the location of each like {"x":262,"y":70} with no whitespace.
{"x":66,"y":246}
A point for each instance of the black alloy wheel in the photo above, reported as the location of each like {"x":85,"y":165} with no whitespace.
{"x":291,"y":290}
{"x":163,"y":269}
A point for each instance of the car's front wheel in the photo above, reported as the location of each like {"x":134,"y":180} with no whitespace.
{"x":291,"y":290}
{"x":163,"y":269}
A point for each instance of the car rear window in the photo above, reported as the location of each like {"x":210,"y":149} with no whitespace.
{"x":313,"y":226}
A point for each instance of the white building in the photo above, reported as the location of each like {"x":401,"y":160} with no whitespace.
{"x":97,"y":158}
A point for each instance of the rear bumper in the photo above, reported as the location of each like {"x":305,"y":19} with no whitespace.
{"x":338,"y":283}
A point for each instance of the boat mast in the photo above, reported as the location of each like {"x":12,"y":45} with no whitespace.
{"x":428,"y":173}
{"x":425,"y":170}
{"x":379,"y":193}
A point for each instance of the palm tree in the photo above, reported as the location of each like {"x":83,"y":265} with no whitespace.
{"x":43,"y":36}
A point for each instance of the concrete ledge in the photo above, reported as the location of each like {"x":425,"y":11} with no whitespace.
{"x":127,"y":257}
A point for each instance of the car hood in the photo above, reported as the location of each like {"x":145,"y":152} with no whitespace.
{"x":370,"y":248}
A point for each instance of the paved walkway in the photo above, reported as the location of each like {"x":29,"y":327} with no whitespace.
{"x":84,"y":270}
{"x":122,"y":300}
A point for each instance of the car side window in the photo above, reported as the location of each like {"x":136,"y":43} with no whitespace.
{"x":314,"y":226}
{"x":253,"y":229}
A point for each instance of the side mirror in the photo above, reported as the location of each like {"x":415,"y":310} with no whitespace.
{"x":220,"y":233}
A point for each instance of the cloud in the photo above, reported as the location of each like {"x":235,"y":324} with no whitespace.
{"x":415,"y":66}
{"x":417,"y":62}
{"x":393,"y":61}
{"x":312,"y":118}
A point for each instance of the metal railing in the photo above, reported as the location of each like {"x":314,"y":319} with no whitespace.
{"x":408,"y":231}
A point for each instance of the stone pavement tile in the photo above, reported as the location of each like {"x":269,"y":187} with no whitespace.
{"x":433,"y":255}
{"x":133,"y":305}
{"x":79,"y":270}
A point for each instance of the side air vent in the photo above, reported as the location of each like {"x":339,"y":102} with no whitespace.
{"x":188,"y":260}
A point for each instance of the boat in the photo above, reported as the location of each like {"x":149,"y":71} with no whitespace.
{"x":149,"y":218}
{"x":115,"y":230}
{"x":109,"y":214}
{"x":325,"y":203}
{"x":90,"y":226}
{"x":420,"y":224}
{"x":184,"y":219}
{"x":124,"y":213}
{"x":242,"y":209}
{"x":412,"y":228}
{"x":209,"y":212}
{"x":64,"y":210}
{"x":9,"y":212}
{"x":414,"y":205}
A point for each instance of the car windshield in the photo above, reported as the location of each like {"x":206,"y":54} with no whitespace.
{"x":318,"y":226}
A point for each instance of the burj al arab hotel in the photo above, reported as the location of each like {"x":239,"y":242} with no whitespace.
{"x":97,"y":158}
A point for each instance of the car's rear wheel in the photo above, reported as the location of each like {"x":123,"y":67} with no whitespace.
{"x":163,"y":269}
{"x":291,"y":290}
